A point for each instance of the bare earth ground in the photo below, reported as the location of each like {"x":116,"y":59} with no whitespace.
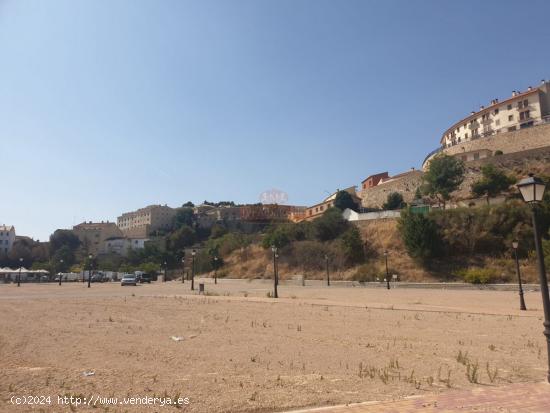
{"x":244,"y":352}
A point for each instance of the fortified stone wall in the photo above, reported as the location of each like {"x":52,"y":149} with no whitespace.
{"x":406,"y":185}
{"x":519,"y":164}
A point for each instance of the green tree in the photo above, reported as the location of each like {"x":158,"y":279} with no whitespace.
{"x":444,"y":175}
{"x":352,"y":246}
{"x":330,"y":225}
{"x":344,"y":200}
{"x":63,"y":237}
{"x":188,"y":204}
{"x":394,"y":201}
{"x":184,"y":216}
{"x":420,"y":235}
{"x":179,"y":239}
{"x":493,"y":182}
{"x":217,"y":231}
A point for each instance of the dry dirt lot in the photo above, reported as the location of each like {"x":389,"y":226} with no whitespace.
{"x":244,"y":352}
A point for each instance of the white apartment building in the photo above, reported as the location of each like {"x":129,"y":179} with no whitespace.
{"x":521,"y":110}
{"x":7,"y":238}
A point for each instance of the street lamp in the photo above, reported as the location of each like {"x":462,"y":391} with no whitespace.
{"x":328,"y":276}
{"x":60,"y":264}
{"x":165,"y":271}
{"x":19,"y":274}
{"x":193,"y":270}
{"x":183,"y":269}
{"x":387,"y":272}
{"x":515,"y":245}
{"x":275,"y":280}
{"x":90,"y":270}
{"x":215,"y":270}
{"x":532,"y":190}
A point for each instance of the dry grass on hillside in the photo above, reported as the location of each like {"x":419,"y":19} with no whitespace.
{"x":256,"y":262}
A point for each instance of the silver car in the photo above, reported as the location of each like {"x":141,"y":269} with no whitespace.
{"x":128,"y":279}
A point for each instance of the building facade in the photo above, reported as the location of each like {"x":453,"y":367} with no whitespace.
{"x":373,"y":180}
{"x":520,"y":111}
{"x":121,"y":245}
{"x":7,"y":238}
{"x":146,"y":221}
{"x":319,"y":209}
{"x":93,"y":234}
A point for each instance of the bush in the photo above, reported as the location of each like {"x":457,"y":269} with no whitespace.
{"x":420,"y":235}
{"x":394,"y":201}
{"x":476,"y":275}
{"x":352,"y":246}
{"x":330,"y":225}
{"x":367,"y":272}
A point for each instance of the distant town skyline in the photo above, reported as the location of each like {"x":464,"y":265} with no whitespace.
{"x":107,"y":107}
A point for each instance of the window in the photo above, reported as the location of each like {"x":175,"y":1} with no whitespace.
{"x":524,"y":115}
{"x":509,"y":107}
{"x":496,"y":111}
{"x":510,"y":118}
{"x":466,"y":135}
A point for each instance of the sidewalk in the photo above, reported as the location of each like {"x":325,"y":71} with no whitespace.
{"x":514,"y":398}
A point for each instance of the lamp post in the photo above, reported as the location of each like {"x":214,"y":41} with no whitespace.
{"x":19,"y":274}
{"x":532,"y":190}
{"x":215,"y":270}
{"x":328,"y":276}
{"x":275,"y":281}
{"x":515,"y":245}
{"x":387,"y":272}
{"x":193,"y":270}
{"x":90,"y":271}
{"x":183,"y":270}
{"x":165,"y":271}
{"x":60,"y":264}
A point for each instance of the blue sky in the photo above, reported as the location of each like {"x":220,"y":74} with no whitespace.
{"x":107,"y":106}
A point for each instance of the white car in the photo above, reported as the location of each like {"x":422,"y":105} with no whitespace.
{"x":128,"y":279}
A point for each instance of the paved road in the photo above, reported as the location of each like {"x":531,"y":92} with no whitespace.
{"x":514,"y":398}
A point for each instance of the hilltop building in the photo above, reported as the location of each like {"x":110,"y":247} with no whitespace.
{"x":7,"y":238}
{"x":518,"y":123}
{"x":93,"y":234}
{"x":319,"y":209}
{"x":146,"y":221}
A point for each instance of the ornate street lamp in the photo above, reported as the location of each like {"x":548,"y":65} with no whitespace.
{"x":275,"y":280}
{"x":90,"y":270}
{"x":532,"y":190}
{"x":328,"y":276}
{"x":215,"y":270}
{"x":387,"y":272}
{"x":515,"y":245}
{"x":193,"y":269}
{"x":183,"y":270}
{"x":165,"y":271}
{"x":60,"y":276}
{"x":19,"y":274}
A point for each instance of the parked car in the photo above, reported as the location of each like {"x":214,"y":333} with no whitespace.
{"x":145,"y":278}
{"x":128,"y":279}
{"x":98,"y":278}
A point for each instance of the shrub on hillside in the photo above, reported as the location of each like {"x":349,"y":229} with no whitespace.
{"x":420,"y":235}
{"x":228,"y":243}
{"x":309,"y":255}
{"x":352,"y":246}
{"x":330,"y":225}
{"x":486,"y":230}
{"x":367,"y":272}
{"x":478,"y":275}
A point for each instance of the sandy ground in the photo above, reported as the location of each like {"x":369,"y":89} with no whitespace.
{"x":244,"y":352}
